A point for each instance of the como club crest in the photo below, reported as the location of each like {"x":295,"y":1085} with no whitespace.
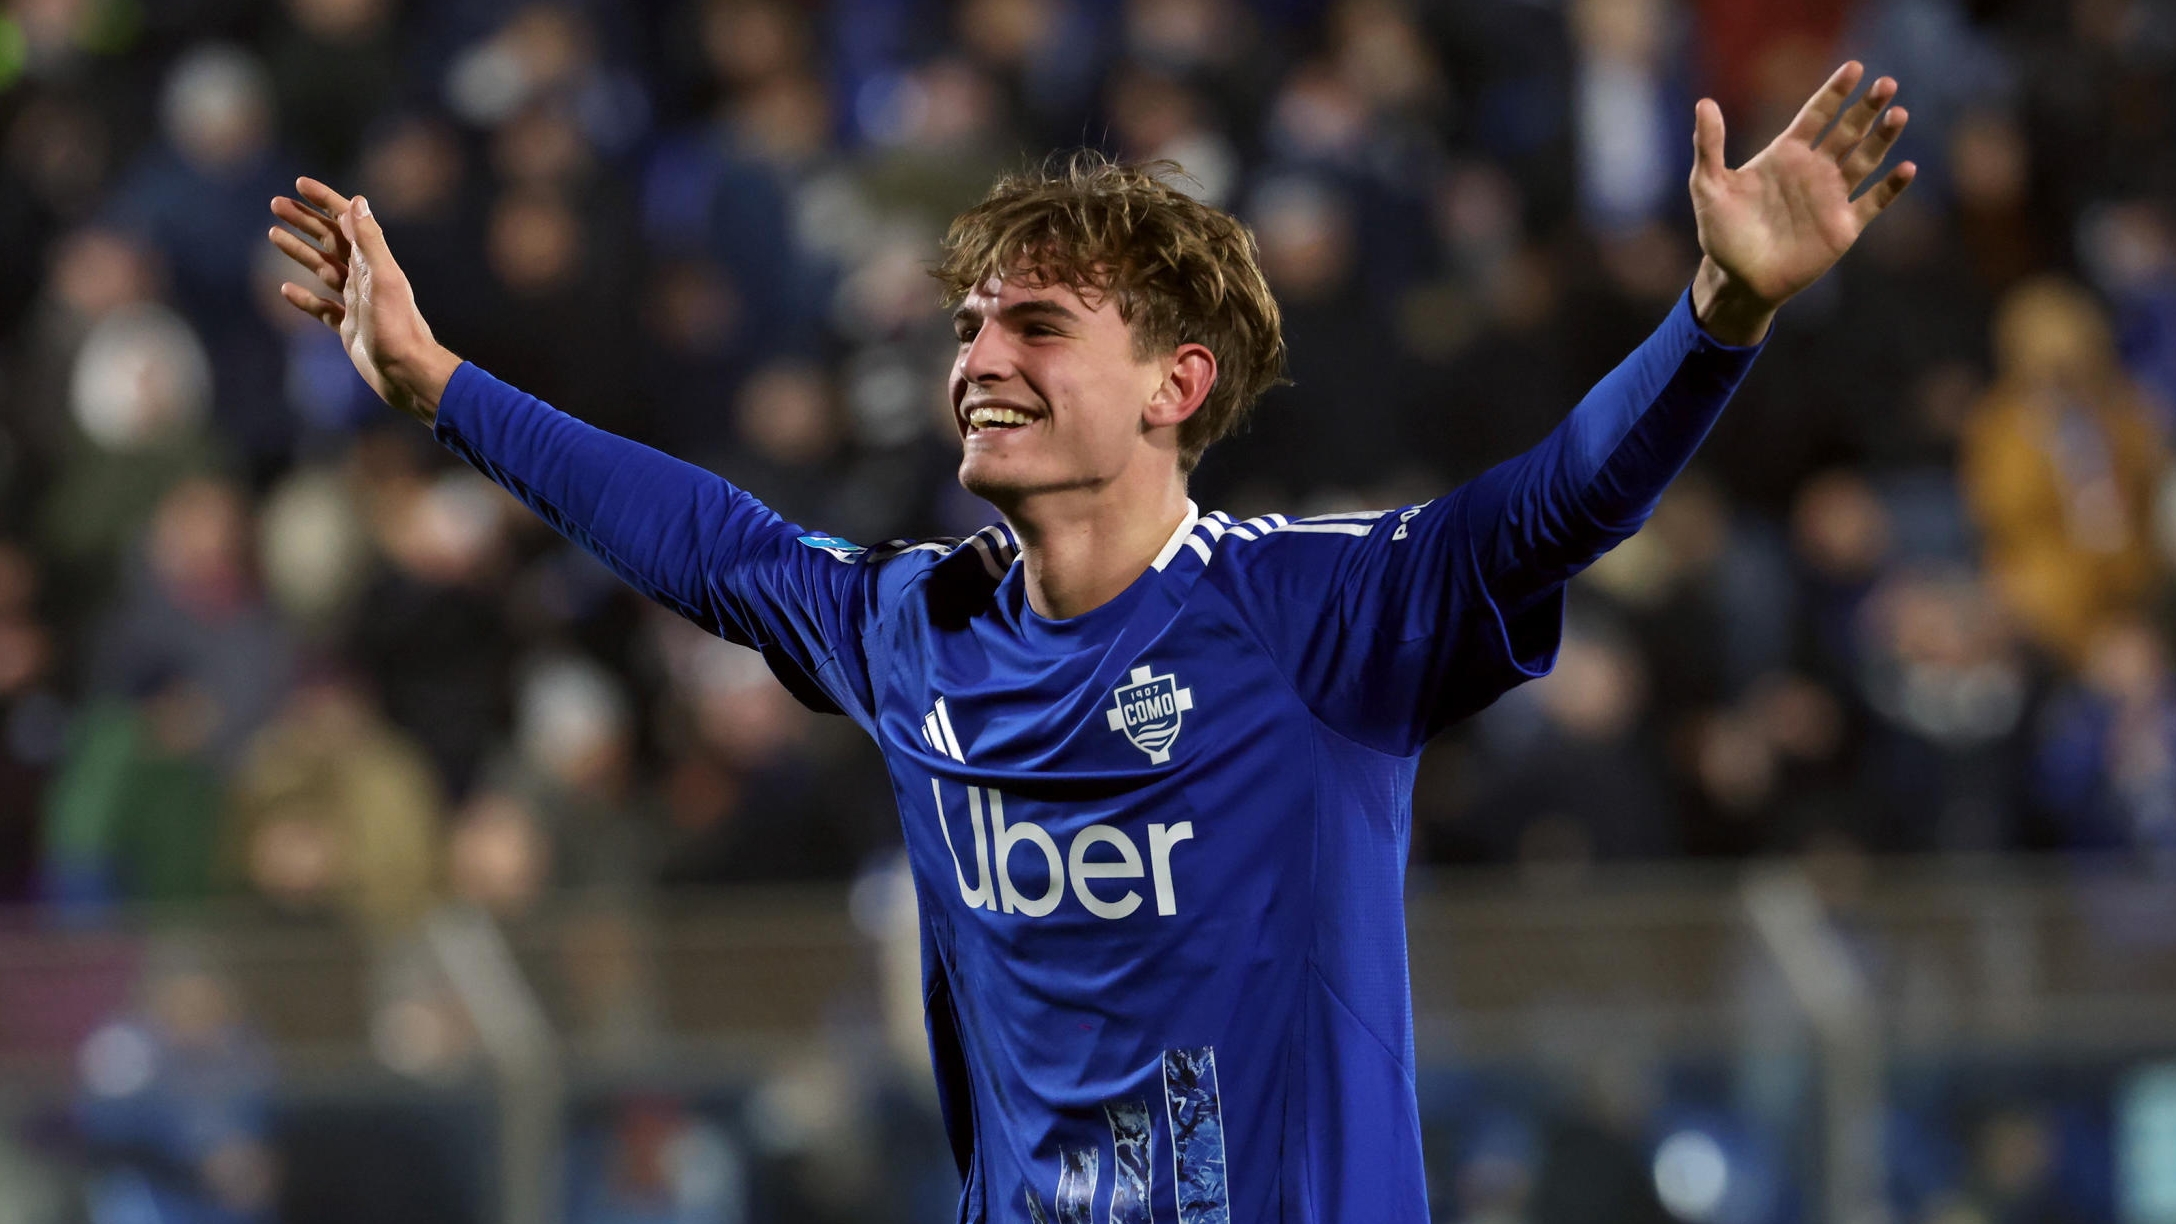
{"x":1148,"y":710}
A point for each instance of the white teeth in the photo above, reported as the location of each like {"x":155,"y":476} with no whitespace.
{"x":985,"y":415}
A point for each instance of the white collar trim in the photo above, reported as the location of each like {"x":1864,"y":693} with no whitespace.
{"x":1178,"y":538}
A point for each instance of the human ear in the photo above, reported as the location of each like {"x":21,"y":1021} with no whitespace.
{"x":1184,"y":387}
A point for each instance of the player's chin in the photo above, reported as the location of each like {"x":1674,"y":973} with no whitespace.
{"x":1002,"y":479}
{"x":987,"y":477}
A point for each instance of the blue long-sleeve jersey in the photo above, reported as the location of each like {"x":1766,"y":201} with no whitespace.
{"x":1158,"y":847}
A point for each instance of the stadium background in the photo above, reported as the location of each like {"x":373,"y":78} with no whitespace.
{"x":368,"y":853}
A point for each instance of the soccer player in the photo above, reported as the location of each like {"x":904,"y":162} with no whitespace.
{"x":1153,"y":765}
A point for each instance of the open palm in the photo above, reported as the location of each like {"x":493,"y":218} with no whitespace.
{"x":1775,"y":224}
{"x":371,"y":304}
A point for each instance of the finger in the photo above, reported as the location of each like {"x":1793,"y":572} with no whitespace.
{"x":1867,"y":155}
{"x":1853,"y":127}
{"x":330,"y":203}
{"x":328,"y":313}
{"x":321,"y":230}
{"x":1826,"y":101}
{"x":1884,"y":193}
{"x":313,"y":260}
{"x":1707,"y":139}
{"x":363,"y":230}
{"x":316,"y":225}
{"x":321,"y":197}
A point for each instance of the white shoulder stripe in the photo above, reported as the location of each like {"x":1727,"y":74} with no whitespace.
{"x":1209,"y":532}
{"x":1217,"y":524}
{"x":1345,"y":516}
{"x":992,"y":546}
{"x":1000,"y":542}
{"x":989,"y":558}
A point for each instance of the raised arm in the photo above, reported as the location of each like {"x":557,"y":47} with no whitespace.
{"x":1778,"y":223}
{"x":1767,"y":230}
{"x":677,"y":533}
{"x":653,"y":519}
{"x":1440,"y":607}
{"x":372,"y":305}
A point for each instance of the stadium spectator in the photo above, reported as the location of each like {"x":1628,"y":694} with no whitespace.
{"x":333,"y":811}
{"x":1565,"y":774}
{"x":313,"y":552}
{"x":1947,"y":683}
{"x":132,"y":814}
{"x":754,"y":790}
{"x":429,"y":629}
{"x":91,"y":273}
{"x":1333,"y":434}
{"x":2129,"y":247}
{"x":1630,"y":157}
{"x":325,"y":56}
{"x":191,"y":608}
{"x":173,"y":1102}
{"x":195,"y":198}
{"x":655,"y":1161}
{"x":2106,"y":763}
{"x":135,"y":398}
{"x":2061,"y":461}
{"x":571,"y":766}
{"x":497,"y":857}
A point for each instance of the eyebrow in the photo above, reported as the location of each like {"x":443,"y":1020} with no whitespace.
{"x":1033,"y":308}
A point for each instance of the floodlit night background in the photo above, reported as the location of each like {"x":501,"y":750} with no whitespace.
{"x":367,"y":853}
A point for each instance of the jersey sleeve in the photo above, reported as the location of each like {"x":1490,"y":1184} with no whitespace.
{"x":1393,"y":626}
{"x":679,"y":534}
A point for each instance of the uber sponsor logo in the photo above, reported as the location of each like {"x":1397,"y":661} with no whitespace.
{"x":997,"y":845}
{"x":1096,"y":883}
{"x":1148,"y":710}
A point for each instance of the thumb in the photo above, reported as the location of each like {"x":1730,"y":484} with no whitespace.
{"x":366,"y":235}
{"x":1707,"y":140}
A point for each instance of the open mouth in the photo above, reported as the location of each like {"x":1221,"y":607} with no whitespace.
{"x":987,"y":418}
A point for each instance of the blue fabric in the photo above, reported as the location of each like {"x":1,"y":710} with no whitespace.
{"x":1159,"y":847}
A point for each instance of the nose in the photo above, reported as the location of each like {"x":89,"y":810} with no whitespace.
{"x":987,"y":358}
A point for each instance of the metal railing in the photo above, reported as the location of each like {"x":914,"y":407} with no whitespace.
{"x":1868,"y":963}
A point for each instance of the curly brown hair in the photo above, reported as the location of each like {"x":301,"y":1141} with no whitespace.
{"x":1181,"y":271}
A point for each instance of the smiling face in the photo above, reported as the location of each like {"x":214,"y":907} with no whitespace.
{"x":1050,"y":394}
{"x":1083,"y":237}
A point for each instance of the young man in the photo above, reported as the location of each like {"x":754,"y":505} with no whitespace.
{"x":1154,"y":766}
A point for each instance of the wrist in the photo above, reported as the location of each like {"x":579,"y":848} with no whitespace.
{"x":1726,"y":309}
{"x":422,"y":377}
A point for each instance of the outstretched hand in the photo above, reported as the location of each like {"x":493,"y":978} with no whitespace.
{"x":1774,"y":225}
{"x":372,"y":307}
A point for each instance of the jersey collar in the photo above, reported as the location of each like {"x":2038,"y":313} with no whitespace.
{"x":1178,"y":538}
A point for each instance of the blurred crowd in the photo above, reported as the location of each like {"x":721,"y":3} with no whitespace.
{"x":262,"y":641}
{"x":259,"y":638}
